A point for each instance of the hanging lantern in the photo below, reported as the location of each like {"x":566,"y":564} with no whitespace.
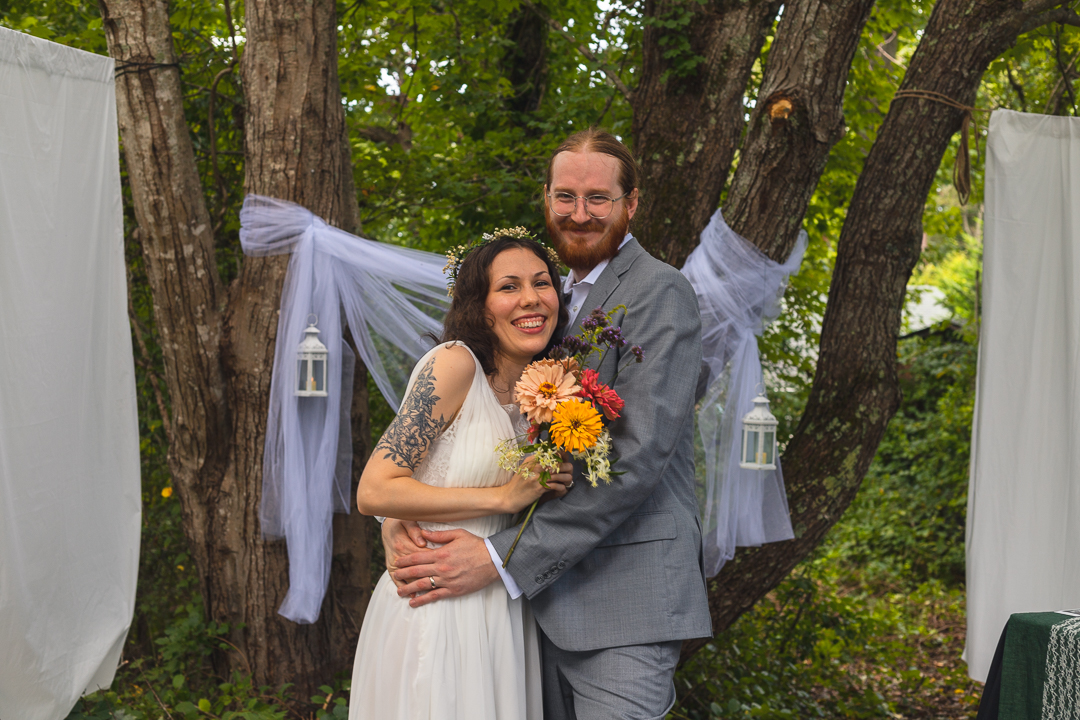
{"x":759,"y":437}
{"x":311,"y":364}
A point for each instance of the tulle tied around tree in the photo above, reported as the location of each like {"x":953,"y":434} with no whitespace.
{"x":739,"y":291}
{"x":390,"y":298}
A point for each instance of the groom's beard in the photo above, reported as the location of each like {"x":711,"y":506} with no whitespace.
{"x":577,"y":253}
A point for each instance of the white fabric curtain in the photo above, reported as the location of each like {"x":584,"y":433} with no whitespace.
{"x":1023,"y":519}
{"x":70,"y":498}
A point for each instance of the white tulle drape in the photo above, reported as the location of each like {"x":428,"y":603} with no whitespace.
{"x":391,"y":297}
{"x":739,"y":291}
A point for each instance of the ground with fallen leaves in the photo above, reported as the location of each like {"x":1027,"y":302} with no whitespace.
{"x":932,"y":682}
{"x":825,"y":644}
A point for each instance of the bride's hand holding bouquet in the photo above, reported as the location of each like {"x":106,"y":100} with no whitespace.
{"x":569,"y":408}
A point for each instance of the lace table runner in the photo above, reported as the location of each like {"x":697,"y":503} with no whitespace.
{"x":1061,"y":689}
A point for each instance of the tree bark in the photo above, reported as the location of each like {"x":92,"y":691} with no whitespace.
{"x":855,"y":391}
{"x":295,"y":149}
{"x":687,"y":126}
{"x":218,"y":362}
{"x":178,"y":245}
{"x":797,"y":119}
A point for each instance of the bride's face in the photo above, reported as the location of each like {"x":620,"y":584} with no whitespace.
{"x":522,"y":304}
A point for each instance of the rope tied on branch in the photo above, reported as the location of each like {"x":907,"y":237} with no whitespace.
{"x":134,"y":66}
{"x":962,"y":167}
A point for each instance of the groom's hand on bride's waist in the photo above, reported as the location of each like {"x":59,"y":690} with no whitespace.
{"x":461,"y":566}
{"x":400,"y":538}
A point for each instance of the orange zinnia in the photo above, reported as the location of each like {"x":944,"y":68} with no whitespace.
{"x":576,"y":425}
{"x":543,"y":385}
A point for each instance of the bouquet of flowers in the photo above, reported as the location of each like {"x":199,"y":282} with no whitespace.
{"x":568,"y":407}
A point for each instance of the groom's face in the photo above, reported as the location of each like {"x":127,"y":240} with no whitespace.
{"x":581,"y":240}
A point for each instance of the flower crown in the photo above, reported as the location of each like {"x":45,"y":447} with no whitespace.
{"x":456,"y":256}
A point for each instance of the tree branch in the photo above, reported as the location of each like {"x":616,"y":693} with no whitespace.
{"x":1035,"y":7}
{"x":1016,"y":86}
{"x":1065,"y":16}
{"x":1063,"y":83}
{"x":584,"y":51}
{"x":402,"y":137}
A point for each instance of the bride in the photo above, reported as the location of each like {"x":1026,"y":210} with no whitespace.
{"x":473,"y":657}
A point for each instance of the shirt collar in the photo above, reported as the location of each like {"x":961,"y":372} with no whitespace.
{"x":590,"y":279}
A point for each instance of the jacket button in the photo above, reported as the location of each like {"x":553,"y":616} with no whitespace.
{"x":539,"y":579}
{"x":562,"y":564}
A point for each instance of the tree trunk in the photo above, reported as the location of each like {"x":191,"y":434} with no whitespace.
{"x":688,"y":118}
{"x":855,"y":390}
{"x":296,"y":149}
{"x":178,"y":245}
{"x":525,"y":62}
{"x":218,"y":363}
{"x":797,"y":119}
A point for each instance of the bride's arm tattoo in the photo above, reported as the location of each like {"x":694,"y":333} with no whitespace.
{"x":414,"y":428}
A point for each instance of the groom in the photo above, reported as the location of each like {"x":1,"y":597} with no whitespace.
{"x":614,"y":573}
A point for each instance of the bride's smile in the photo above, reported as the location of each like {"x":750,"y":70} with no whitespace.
{"x":522,"y":305}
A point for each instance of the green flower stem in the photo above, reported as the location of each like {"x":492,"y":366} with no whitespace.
{"x":523,"y":524}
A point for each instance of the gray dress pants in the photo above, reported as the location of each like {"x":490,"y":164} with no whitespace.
{"x":633,"y":682}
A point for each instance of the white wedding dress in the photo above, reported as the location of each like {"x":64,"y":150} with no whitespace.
{"x":474,"y":657}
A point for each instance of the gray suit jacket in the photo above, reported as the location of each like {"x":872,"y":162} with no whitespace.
{"x":621,"y":564}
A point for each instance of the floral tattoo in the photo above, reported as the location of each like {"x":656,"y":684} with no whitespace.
{"x":414,"y":429}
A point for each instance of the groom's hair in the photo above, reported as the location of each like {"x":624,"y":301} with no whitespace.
{"x":597,"y":140}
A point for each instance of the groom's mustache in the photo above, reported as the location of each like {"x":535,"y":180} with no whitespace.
{"x":590,"y":225}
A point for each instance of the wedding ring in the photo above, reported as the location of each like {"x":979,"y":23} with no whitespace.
{"x":433,"y":585}
{"x":569,"y":484}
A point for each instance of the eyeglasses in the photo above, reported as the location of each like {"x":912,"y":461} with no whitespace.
{"x":598,"y":206}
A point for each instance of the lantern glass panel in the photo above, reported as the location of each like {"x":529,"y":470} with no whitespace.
{"x":751,"y":446}
{"x":770,"y":446}
{"x":318,"y":371}
{"x":301,"y":374}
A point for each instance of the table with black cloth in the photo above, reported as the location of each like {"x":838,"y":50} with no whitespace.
{"x":1035,"y":672}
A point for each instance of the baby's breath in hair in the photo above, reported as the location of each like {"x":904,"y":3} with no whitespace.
{"x":456,"y":255}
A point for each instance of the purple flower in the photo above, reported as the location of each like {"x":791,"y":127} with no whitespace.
{"x":612,"y":337}
{"x":599,"y":316}
{"x":571,"y":345}
{"x":639,"y":355}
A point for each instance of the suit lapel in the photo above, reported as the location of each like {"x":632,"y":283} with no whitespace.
{"x":608,"y":281}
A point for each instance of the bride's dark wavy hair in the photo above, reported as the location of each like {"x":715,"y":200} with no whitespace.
{"x":467,"y":320}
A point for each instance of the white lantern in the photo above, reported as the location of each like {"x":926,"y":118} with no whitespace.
{"x":759,"y":437}
{"x":311,"y":365}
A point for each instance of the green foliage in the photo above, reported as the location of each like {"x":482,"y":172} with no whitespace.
{"x":1037,"y":74}
{"x":75,"y":23}
{"x":953,"y":264}
{"x":907,"y":523}
{"x":768,"y":664}
{"x":672,"y":23}
{"x":177,"y":681}
{"x":441,"y":153}
{"x":822,"y":646}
